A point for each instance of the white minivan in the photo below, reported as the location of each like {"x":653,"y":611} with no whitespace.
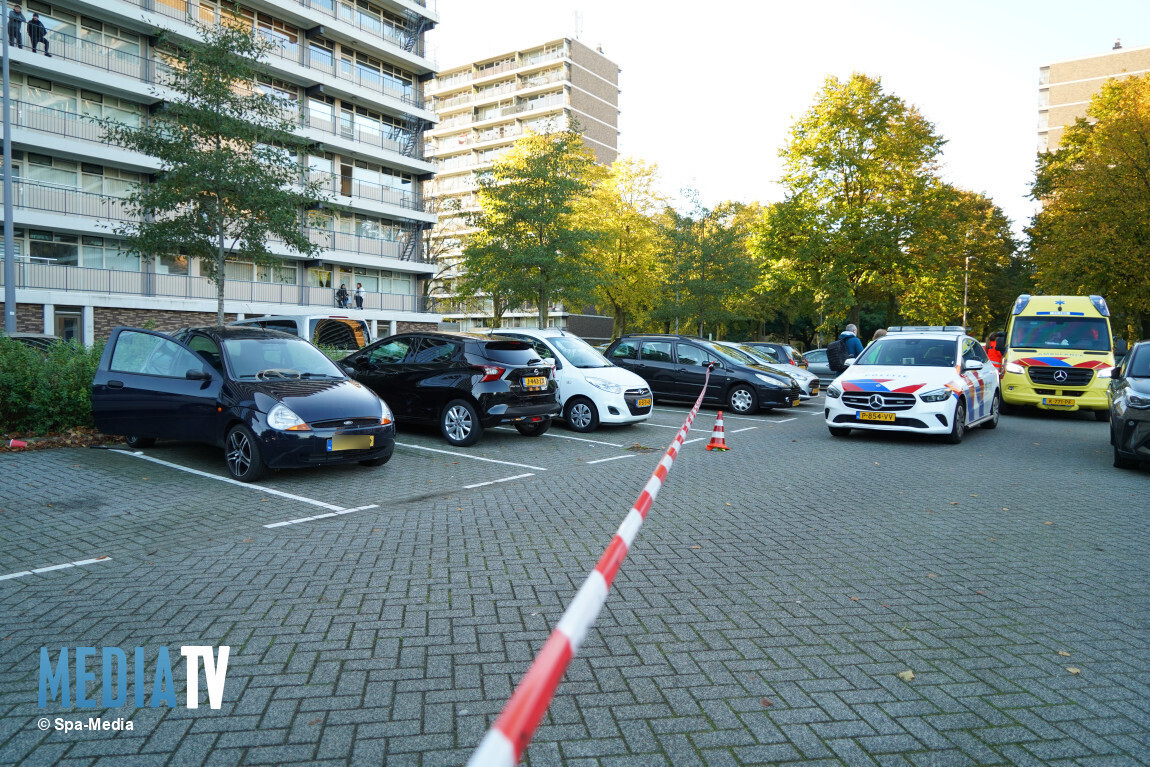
{"x":592,"y":389}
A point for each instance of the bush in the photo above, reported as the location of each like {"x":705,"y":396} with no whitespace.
{"x":44,"y":391}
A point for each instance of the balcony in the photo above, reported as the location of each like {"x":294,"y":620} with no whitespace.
{"x":476,"y":97}
{"x":366,"y":133}
{"x":346,"y":186}
{"x":113,"y":60}
{"x":30,"y":195}
{"x":524,"y":61}
{"x":40,"y":276}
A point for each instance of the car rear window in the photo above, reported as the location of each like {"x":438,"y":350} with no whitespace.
{"x":510,"y":352}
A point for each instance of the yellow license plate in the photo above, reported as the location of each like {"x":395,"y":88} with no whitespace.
{"x":796,"y":402}
{"x":350,"y":442}
{"x":1058,"y":402}
{"x":645,"y":402}
{"x":814,"y":391}
{"x":886,"y":417}
{"x":535,"y":382}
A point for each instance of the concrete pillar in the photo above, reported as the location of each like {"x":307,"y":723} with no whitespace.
{"x":49,"y":319}
{"x":373,"y":325}
{"x":394,"y":328}
{"x":88,"y":320}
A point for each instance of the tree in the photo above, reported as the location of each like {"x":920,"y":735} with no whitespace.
{"x":778,"y":294}
{"x":704,"y":255}
{"x":624,"y":208}
{"x":1093,"y":233}
{"x":230,"y":178}
{"x":859,"y":165}
{"x":528,"y":245}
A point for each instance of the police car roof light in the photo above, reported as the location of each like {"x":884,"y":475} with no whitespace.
{"x":926,"y":329}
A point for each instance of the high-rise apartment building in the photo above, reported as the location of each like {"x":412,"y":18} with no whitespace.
{"x":483,"y":108}
{"x":353,"y":71}
{"x":1065,"y":88}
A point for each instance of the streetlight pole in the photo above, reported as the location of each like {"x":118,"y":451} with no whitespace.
{"x":9,"y":244}
{"x":965,"y":286}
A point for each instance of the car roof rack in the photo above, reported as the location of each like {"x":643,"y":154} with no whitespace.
{"x":926,"y":329}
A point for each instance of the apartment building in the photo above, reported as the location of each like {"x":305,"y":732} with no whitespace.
{"x":483,"y":108}
{"x":353,"y":71}
{"x":1066,"y":87}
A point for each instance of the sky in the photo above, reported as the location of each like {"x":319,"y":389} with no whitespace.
{"x":710,"y":90}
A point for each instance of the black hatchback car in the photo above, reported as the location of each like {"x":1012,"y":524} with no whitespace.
{"x":1129,"y":396}
{"x":675,"y":368}
{"x":463,"y":382}
{"x":271,"y":400}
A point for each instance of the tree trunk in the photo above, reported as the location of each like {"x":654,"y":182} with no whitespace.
{"x":543,"y":308}
{"x":220,"y":261}
{"x":855,"y":311}
{"x":620,"y":325}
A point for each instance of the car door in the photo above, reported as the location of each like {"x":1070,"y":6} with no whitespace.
{"x":656,"y":365}
{"x":381,"y":366}
{"x":979,"y":388}
{"x":691,"y":372}
{"x":151,"y":385}
{"x":433,"y":375}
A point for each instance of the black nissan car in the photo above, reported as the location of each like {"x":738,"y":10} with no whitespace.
{"x":270,"y":399}
{"x":676,"y":366}
{"x":463,"y":382}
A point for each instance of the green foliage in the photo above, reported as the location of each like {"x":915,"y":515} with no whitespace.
{"x":229,"y":178}
{"x":529,"y":246}
{"x":1093,"y":233}
{"x":44,"y":391}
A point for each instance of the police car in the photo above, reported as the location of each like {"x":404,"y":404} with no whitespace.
{"x":931,"y":380}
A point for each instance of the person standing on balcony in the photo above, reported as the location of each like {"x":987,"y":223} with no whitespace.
{"x":341,"y":296}
{"x":38,"y":33}
{"x":15,"y":19}
{"x":359,"y":295}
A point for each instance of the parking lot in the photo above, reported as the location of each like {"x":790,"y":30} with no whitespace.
{"x":764,"y":615}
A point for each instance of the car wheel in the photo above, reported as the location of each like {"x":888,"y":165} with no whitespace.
{"x":373,"y":462}
{"x":839,"y":431}
{"x":459,"y":423}
{"x":535,"y":429}
{"x":242,"y":454}
{"x":958,"y":428}
{"x":581,"y":415}
{"x":140,"y":441}
{"x":742,"y":399}
{"x":1122,"y":462}
{"x":995,"y":408}
{"x":1101,"y":415}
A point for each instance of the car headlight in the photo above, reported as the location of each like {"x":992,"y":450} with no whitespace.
{"x":1104,"y":372}
{"x":605,"y":385}
{"x":834,"y":392}
{"x":386,"y":416}
{"x":282,"y":418}
{"x":938,"y":395}
{"x":1138,"y":401}
{"x":774,"y":383}
{"x":1014,"y":367}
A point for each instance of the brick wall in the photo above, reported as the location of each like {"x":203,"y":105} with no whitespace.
{"x":106,"y":318}
{"x":29,"y":318}
{"x":411,"y":327}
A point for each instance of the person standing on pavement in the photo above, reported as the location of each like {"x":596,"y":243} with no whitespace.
{"x":15,"y":19}
{"x":38,"y":33}
{"x":359,"y":295}
{"x":850,"y":337}
{"x":877,"y":335}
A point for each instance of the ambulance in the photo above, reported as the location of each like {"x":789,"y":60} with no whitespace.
{"x":1058,"y":354}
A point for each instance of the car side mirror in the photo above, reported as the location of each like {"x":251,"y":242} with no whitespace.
{"x":199,"y":374}
{"x":849,"y":362}
{"x":972,"y":365}
{"x":347,"y":368}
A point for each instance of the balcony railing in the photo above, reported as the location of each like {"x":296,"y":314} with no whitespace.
{"x":459,"y":78}
{"x":362,"y":133}
{"x":477,"y":97}
{"x":366,"y":190}
{"x":101,"y":207}
{"x":109,"y":281}
{"x":57,"y":121}
{"x":374,"y":81}
{"x":109,"y":59}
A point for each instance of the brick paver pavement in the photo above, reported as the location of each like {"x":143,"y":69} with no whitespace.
{"x":763,"y":616}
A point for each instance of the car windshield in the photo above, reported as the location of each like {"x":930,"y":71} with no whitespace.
{"x":579,"y":353}
{"x":733,"y":355}
{"x":1087,"y":333}
{"x":759,"y":356}
{"x":909,"y":352}
{"x":1140,"y":365}
{"x":272,"y":358}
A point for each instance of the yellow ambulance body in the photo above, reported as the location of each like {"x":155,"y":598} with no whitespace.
{"x":1059,"y":354}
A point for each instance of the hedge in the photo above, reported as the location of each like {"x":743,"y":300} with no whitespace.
{"x":46,"y":390}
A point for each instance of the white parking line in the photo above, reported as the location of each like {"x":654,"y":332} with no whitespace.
{"x":230,"y":481}
{"x":322,"y":516}
{"x":726,"y":417}
{"x":497,"y":481}
{"x":612,"y":458}
{"x":698,"y":439}
{"x":564,"y":436}
{"x":80,"y":563}
{"x":785,"y":420}
{"x":747,"y":428}
{"x":660,"y":425}
{"x":472,"y":457}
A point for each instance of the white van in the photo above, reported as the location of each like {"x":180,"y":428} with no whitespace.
{"x":347,"y":334}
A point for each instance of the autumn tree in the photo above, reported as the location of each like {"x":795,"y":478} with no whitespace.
{"x":230,"y":180}
{"x":528,"y":245}
{"x":858,"y":167}
{"x":1093,"y":233}
{"x":624,"y":209}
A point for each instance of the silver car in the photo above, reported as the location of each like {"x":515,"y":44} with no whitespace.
{"x":817,"y":364}
{"x":1129,"y":396}
{"x":808,"y":382}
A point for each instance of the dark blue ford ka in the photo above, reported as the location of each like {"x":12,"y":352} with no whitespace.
{"x":271,"y":400}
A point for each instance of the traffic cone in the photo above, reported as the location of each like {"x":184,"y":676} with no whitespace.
{"x":717,"y":442}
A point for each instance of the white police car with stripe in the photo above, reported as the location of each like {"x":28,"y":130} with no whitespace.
{"x":930,"y":380}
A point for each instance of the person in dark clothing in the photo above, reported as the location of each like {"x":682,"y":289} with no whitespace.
{"x":15,"y":20}
{"x":38,"y":33}
{"x":850,"y":337}
{"x":341,"y":296}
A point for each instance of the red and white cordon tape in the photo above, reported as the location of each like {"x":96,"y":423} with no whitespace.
{"x":507,"y":739}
